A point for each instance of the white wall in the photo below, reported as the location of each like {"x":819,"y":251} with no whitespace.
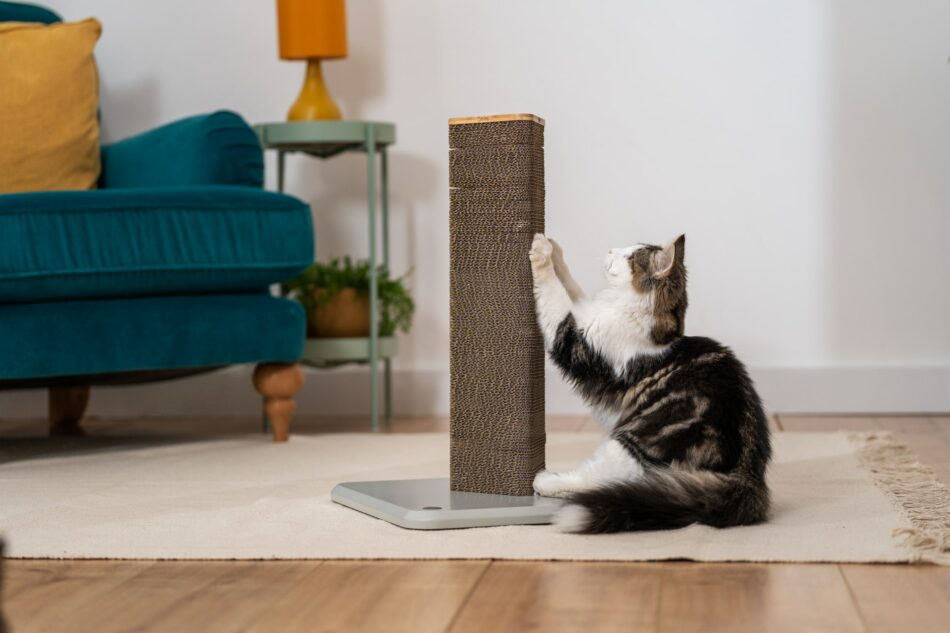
{"x":802,"y":145}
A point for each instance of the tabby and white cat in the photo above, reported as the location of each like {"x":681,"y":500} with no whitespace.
{"x":688,"y":440}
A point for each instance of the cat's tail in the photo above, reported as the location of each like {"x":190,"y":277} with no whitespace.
{"x":664,"y":499}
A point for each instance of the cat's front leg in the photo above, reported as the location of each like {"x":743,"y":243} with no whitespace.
{"x":610,"y":463}
{"x":574,"y":290}
{"x":552,"y":302}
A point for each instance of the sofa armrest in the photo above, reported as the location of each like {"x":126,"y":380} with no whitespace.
{"x":209,"y":149}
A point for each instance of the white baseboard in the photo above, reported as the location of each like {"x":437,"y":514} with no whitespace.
{"x":912,"y":389}
{"x":417,"y":393}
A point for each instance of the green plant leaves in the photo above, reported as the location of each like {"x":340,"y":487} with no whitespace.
{"x":396,"y":307}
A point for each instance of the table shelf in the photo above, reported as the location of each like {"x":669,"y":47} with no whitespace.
{"x":331,"y":352}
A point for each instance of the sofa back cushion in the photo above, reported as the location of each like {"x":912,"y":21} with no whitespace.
{"x":48,"y":106}
{"x":22,"y":12}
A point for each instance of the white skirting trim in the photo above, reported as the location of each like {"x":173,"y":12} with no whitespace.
{"x":345,"y":391}
{"x":912,"y":389}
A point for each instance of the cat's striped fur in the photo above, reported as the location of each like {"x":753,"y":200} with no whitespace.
{"x":688,"y":440}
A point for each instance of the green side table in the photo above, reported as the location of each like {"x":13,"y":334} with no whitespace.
{"x":325,"y":139}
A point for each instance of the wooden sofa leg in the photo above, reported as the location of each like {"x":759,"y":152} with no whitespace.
{"x":278,"y":383}
{"x":66,"y":408}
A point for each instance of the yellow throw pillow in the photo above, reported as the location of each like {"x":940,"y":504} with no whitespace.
{"x":49,"y":98}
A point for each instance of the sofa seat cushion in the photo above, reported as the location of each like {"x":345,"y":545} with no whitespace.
{"x":142,"y":242}
{"x":71,"y":338}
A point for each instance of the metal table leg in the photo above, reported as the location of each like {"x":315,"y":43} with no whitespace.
{"x":373,"y":284}
{"x":384,"y":201}
{"x":387,"y":365}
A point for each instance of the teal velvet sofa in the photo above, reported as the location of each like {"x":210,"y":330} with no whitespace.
{"x":162,"y":272}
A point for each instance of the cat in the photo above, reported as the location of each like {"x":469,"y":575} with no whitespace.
{"x":688,"y":439}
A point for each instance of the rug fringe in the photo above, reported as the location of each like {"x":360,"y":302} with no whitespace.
{"x":914,"y":488}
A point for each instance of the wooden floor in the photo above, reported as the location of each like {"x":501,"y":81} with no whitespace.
{"x":479,"y":596}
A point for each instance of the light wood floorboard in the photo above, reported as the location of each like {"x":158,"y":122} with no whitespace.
{"x":739,"y":598}
{"x":898,"y":598}
{"x":412,"y":596}
{"x":141,"y":602}
{"x":674,"y":597}
{"x":243,"y":594}
{"x":44,"y":595}
{"x":526,"y":596}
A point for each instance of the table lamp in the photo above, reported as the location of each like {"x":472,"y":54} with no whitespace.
{"x":313,"y":30}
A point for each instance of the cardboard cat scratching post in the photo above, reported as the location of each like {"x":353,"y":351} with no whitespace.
{"x":496,"y":180}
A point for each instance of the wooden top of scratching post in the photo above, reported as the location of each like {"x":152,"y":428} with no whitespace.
{"x":494,"y":118}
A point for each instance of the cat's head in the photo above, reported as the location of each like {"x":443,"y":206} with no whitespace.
{"x":657,"y":276}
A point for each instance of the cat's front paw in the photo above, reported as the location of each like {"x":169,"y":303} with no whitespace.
{"x":540,"y":253}
{"x":557,"y":255}
{"x":548,"y":484}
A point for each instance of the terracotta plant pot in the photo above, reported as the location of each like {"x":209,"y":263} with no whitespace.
{"x":346,"y":314}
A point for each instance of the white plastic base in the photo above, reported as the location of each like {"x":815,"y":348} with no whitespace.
{"x":429,"y":504}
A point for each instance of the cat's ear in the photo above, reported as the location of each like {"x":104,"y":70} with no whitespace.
{"x":671,"y":256}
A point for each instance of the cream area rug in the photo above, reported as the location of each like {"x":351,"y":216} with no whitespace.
{"x":837,"y":497}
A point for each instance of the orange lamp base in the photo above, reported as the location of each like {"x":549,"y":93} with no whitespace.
{"x":314,"y":101}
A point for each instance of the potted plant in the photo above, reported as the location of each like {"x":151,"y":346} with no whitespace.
{"x":336,"y":298}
